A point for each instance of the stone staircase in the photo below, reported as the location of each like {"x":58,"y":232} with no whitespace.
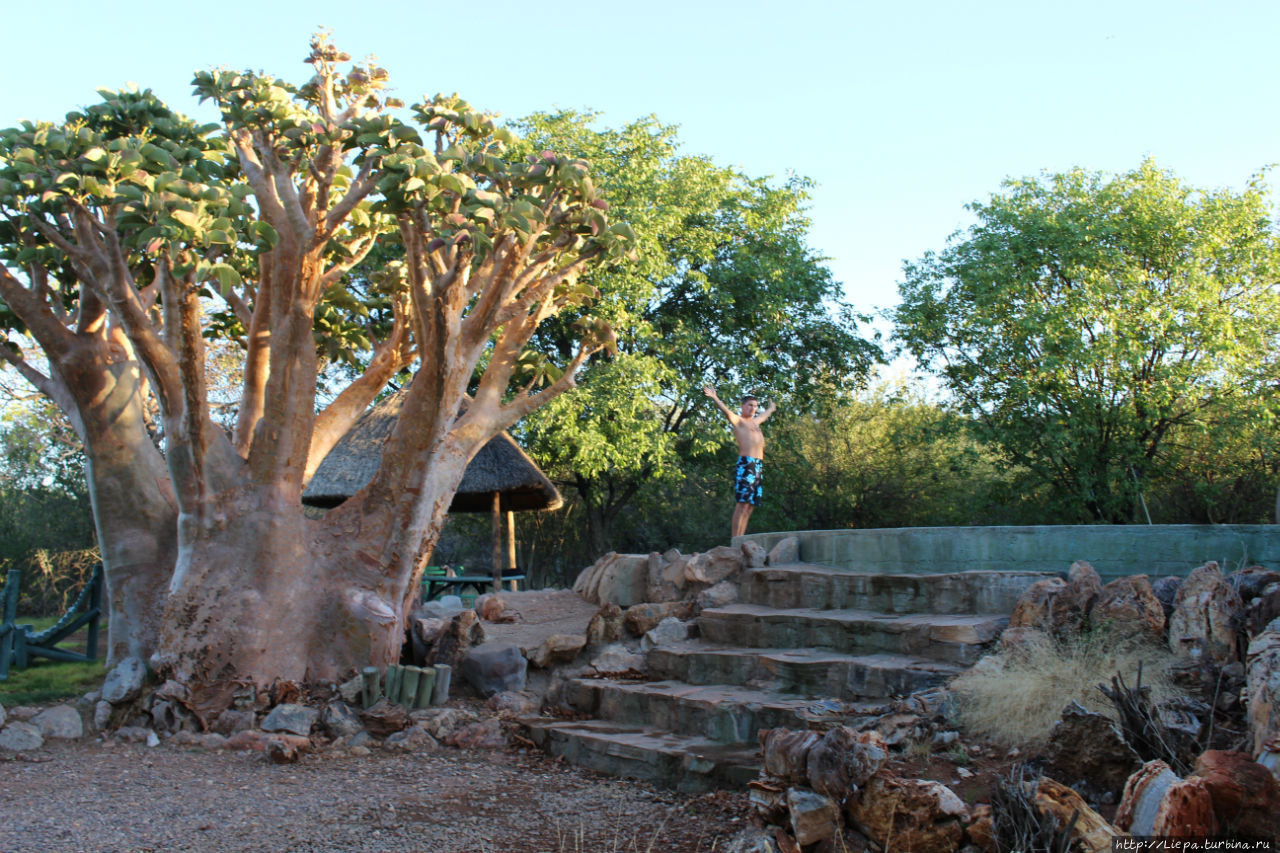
{"x":803,"y":643}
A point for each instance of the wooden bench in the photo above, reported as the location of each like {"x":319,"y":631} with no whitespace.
{"x":20,"y":643}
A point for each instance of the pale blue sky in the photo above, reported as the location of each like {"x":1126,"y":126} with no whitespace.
{"x":902,"y":112}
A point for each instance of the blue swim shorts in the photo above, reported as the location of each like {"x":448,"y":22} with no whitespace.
{"x":748,"y":481}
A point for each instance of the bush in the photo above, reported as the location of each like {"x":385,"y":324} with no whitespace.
{"x":1014,"y":697}
{"x":50,"y":580}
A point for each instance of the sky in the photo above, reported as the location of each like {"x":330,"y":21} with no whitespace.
{"x":902,"y":113}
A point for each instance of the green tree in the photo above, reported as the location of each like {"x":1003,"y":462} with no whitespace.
{"x":725,"y":292}
{"x":886,"y":457}
{"x":121,"y":225}
{"x":1084,"y":318}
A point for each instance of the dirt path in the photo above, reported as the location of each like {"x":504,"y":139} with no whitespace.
{"x":92,"y":796}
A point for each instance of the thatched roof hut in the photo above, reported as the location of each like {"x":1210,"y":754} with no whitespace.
{"x":500,"y":467}
{"x":501,"y":479}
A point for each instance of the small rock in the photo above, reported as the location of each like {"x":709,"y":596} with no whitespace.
{"x":101,"y":714}
{"x":668,"y":631}
{"x":133,"y":734}
{"x":617,"y":658}
{"x":513,"y":702}
{"x":60,"y":721}
{"x":338,"y":719}
{"x":124,"y":683}
{"x":207,"y":740}
{"x":231,"y":721}
{"x":384,"y":718}
{"x":3,"y":716}
{"x":753,"y":554}
{"x":720,"y":595}
{"x":412,"y":739}
{"x":486,"y":734}
{"x":642,"y":618}
{"x":282,"y":752}
{"x":813,"y":816}
{"x":490,"y":607}
{"x":20,"y":737}
{"x":295,"y":719}
{"x":440,"y":722}
{"x":557,"y":648}
{"x":352,"y":690}
{"x":606,"y":626}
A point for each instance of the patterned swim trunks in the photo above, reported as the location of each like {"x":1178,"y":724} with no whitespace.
{"x":748,"y":482}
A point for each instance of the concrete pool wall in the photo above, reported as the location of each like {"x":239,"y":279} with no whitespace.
{"x":1114,"y":550}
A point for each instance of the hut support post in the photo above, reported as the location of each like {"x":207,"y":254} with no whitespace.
{"x":497,"y":542}
{"x":511,"y":544}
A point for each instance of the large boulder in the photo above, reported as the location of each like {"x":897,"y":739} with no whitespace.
{"x":663,"y":575}
{"x":494,"y":667}
{"x":1071,"y":609}
{"x":1091,"y":831}
{"x":786,"y":551}
{"x":1128,"y":608}
{"x":463,"y":632}
{"x":1246,"y":797}
{"x":643,"y":618}
{"x":1033,"y":609}
{"x":844,"y":760}
{"x":1143,"y":794}
{"x":606,"y":626}
{"x":785,"y":755}
{"x":1084,"y":745}
{"x":1259,"y":591}
{"x":813,"y":816}
{"x":1263,"y":691}
{"x":620,"y":579}
{"x":1202,"y":625}
{"x":712,"y":567}
{"x":918,"y":815}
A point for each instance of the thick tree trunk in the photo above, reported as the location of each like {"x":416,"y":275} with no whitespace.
{"x":133,"y":507}
{"x":262,"y":594}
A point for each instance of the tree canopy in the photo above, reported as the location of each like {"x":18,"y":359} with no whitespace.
{"x":1084,"y":318}
{"x":725,"y":292}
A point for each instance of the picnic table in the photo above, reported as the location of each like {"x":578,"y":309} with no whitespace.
{"x":449,"y":580}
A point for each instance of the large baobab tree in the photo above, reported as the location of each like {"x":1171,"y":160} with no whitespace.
{"x":310,"y":225}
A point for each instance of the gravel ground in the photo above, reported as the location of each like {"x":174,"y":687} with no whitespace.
{"x":94,"y":796}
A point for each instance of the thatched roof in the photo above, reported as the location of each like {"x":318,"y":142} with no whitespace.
{"x":500,"y":466}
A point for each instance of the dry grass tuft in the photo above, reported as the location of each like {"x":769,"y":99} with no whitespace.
{"x":1014,"y":697}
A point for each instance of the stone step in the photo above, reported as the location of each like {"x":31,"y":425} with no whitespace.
{"x":721,"y":713}
{"x":810,"y":672}
{"x":818,"y":587}
{"x":690,"y":764}
{"x":951,"y":638}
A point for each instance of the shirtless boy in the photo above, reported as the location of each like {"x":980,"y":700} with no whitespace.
{"x":749,"y":478}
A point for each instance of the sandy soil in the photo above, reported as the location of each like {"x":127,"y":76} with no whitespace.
{"x":95,"y":796}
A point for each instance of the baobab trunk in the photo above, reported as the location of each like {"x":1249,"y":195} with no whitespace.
{"x":261,"y":594}
{"x":134,"y":511}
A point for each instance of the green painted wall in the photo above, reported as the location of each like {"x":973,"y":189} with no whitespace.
{"x":1114,"y":550}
